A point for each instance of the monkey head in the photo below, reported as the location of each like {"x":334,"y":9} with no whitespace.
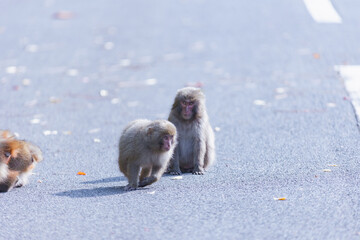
{"x":189,"y":103}
{"x":16,"y":155}
{"x":161,"y":136}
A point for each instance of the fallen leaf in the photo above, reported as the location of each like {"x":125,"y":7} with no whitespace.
{"x":39,"y":181}
{"x":54,"y":100}
{"x":280,"y":199}
{"x":150,"y":81}
{"x":63,"y":15}
{"x":11,"y":69}
{"x":32,"y":48}
{"x":67,"y":132}
{"x":280,"y":90}
{"x":26,"y":82}
{"x":81,"y":173}
{"x":217,"y":129}
{"x":72,"y":72}
{"x":326,"y":170}
{"x":35,"y":121}
{"x":97,"y":140}
{"x":94,"y":130}
{"x":104,"y":93}
{"x":115,"y":101}
{"x":176,"y":178}
{"x":260,"y":102}
{"x":316,"y":55}
{"x":153,"y":192}
{"x":331,"y":104}
{"x":109,"y":45}
{"x":125,"y":62}
{"x":49,"y":132}
{"x":332,"y":165}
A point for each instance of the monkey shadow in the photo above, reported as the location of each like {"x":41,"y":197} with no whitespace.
{"x":93,"y":192}
{"x":106,"y":180}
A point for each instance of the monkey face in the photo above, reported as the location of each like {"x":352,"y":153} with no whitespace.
{"x":166,"y":142}
{"x":187,"y":109}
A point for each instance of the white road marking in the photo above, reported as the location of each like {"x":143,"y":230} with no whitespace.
{"x":322,"y":11}
{"x":351,"y":76}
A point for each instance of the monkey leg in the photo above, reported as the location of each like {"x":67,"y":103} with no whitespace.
{"x":199,"y":156}
{"x":145,"y":172}
{"x":156,"y":173}
{"x":123,"y":165}
{"x":174,"y":167}
{"x":133,"y":176}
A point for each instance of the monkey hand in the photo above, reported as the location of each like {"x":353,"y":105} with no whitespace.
{"x":144,"y":182}
{"x":198,"y":170}
{"x":175,"y":172}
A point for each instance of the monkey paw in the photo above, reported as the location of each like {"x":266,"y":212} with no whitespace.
{"x":175,"y":172}
{"x":129,"y":188}
{"x":198,"y":171}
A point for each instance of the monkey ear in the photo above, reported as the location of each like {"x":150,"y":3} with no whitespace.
{"x":149,"y":131}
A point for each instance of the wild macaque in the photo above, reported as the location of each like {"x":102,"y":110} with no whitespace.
{"x":17,"y":160}
{"x":195,"y":151}
{"x":145,"y":150}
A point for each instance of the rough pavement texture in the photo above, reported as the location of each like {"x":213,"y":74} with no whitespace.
{"x":141,"y":52}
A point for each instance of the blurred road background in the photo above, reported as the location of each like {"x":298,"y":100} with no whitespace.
{"x":74,"y":73}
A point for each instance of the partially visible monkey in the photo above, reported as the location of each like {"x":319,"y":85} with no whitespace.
{"x":195,"y":151}
{"x":146,"y":146}
{"x":17,"y":160}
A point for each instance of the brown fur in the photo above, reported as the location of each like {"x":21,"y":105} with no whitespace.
{"x":17,"y":160}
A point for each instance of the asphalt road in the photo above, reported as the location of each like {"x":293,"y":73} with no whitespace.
{"x":74,"y":73}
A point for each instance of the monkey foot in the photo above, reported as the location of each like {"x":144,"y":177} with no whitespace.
{"x":129,"y":188}
{"x":198,"y":171}
{"x":173,"y":172}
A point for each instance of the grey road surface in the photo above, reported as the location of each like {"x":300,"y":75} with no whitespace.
{"x":74,"y":73}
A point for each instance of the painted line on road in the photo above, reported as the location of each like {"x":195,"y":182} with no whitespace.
{"x":322,"y":11}
{"x":351,"y":76}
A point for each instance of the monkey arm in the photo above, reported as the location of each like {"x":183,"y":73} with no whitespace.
{"x":156,"y":173}
{"x":199,"y":155}
{"x":133,"y":171}
{"x":174,"y":167}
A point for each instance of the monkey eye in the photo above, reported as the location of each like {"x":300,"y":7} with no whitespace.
{"x":7,"y":154}
{"x":167,"y":137}
{"x":32,"y":159}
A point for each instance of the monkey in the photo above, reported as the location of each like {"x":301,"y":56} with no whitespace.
{"x":145,"y":149}
{"x":17,"y":160}
{"x":195,"y":151}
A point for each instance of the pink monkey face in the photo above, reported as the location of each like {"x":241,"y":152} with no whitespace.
{"x":167,"y":142}
{"x":187,"y":109}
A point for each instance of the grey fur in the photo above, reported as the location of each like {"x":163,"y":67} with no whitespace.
{"x":140,"y":151}
{"x":195,"y":151}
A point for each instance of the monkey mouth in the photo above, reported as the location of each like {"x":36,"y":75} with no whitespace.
{"x":166,"y":148}
{"x":187,"y":115}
